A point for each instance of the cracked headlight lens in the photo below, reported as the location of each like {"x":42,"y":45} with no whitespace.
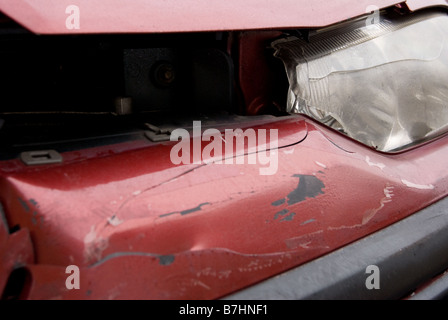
{"x":385,"y":84}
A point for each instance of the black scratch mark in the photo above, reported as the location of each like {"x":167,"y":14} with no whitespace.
{"x":3,"y":220}
{"x":281,"y":213}
{"x":185,"y":212}
{"x":24,"y":205}
{"x":308,"y":222}
{"x":289,"y":217}
{"x":154,"y":187}
{"x":278,"y":202}
{"x":309,"y":187}
{"x":166,"y":260}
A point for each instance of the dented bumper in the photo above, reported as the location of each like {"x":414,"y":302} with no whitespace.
{"x":153,"y":230}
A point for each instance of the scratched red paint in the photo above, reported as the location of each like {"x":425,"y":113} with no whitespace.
{"x":141,"y":228}
{"x":117,"y":227}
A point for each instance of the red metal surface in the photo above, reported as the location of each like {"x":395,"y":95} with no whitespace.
{"x":124,"y":16}
{"x":256,"y":74}
{"x":142,"y":228}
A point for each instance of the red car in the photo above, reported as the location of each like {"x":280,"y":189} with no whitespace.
{"x":235,"y":150}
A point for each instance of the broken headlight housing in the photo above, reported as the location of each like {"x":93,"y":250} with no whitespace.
{"x":383,"y":84}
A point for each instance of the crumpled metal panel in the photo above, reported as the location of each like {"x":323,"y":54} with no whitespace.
{"x":141,"y":228}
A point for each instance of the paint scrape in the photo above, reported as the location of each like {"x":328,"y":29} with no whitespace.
{"x":114,"y":221}
{"x":370,"y":214}
{"x":308,"y":222}
{"x":372,"y":164}
{"x":309,"y":187}
{"x":94,"y":246}
{"x":417,"y":186}
{"x":321,"y":165}
{"x":166,"y":260}
{"x":188,"y":211}
{"x":307,"y":241}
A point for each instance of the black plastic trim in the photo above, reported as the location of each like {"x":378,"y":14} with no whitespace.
{"x":438,"y":290}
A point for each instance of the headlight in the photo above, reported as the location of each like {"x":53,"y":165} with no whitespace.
{"x":385,"y":85}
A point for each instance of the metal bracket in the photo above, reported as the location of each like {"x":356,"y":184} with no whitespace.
{"x":156,"y":134}
{"x":32,"y":158}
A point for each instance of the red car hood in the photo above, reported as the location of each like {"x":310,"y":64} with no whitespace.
{"x":141,"y":16}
